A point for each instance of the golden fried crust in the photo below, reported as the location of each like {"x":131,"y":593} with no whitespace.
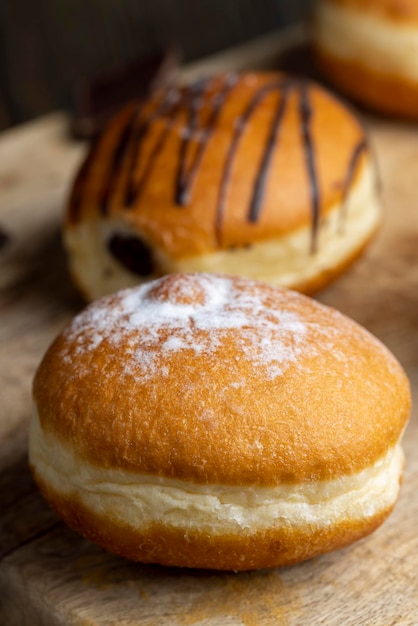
{"x":394,"y":95}
{"x":167,"y":545}
{"x":248,"y":159}
{"x":218,"y":379}
{"x":405,"y":11}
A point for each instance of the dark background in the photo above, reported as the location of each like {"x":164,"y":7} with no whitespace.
{"x":46,"y":45}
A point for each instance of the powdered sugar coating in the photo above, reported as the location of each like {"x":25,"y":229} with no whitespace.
{"x":195,"y":313}
{"x":219,"y":304}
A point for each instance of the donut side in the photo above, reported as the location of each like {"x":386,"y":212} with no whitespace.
{"x":170,"y":522}
{"x":370,"y":55}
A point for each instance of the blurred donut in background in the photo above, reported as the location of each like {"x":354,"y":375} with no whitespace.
{"x":369,"y":50}
{"x":262,"y":175}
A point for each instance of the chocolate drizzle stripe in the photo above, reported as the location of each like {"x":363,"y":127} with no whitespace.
{"x":241,"y":124}
{"x":351,"y":172}
{"x":135,"y":147}
{"x":185,"y":179}
{"x":130,"y":142}
{"x":305,"y":111}
{"x":181,"y":195}
{"x":79,"y":184}
{"x":133,"y":191}
{"x":168,"y":106}
{"x":352,"y":167}
{"x":116,"y":159}
{"x":260,"y":184}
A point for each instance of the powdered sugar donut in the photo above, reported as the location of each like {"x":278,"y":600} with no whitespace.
{"x":209,"y":421}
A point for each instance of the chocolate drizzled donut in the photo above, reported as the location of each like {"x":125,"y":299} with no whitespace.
{"x":224,"y":164}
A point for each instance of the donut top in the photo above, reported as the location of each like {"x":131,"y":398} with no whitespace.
{"x":219,"y":379}
{"x":223,"y":162}
{"x":188,"y":315}
{"x":404,"y":11}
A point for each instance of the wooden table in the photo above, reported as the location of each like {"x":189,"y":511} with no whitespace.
{"x":49,"y":575}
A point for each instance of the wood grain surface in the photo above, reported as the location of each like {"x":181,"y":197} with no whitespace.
{"x":51,"y":576}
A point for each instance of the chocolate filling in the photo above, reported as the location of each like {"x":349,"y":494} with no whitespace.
{"x":132,"y":253}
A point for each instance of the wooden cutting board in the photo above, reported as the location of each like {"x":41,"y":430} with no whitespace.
{"x":48,"y":574}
